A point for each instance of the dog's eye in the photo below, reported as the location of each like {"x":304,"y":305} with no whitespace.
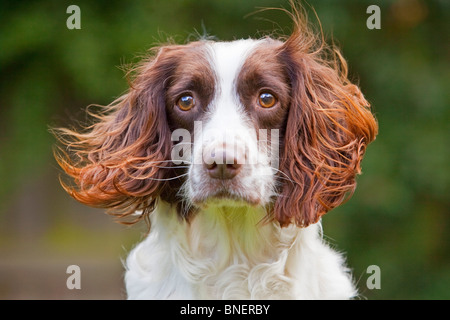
{"x":267,"y":100}
{"x":186,"y":102}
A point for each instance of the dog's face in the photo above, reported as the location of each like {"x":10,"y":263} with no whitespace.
{"x":232,"y":100}
{"x":262,"y":122}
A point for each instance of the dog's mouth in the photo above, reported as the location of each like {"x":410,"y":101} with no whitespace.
{"x":244,"y":189}
{"x":224,"y":196}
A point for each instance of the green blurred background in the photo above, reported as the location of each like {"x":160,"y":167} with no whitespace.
{"x":398,"y":218}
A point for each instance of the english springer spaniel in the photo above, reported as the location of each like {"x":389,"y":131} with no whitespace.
{"x":232,"y":152}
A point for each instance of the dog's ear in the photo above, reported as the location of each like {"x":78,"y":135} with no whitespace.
{"x":328,"y":128}
{"x":121,"y":161}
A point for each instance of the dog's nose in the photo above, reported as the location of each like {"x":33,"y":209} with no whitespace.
{"x":223,"y":171}
{"x":228,"y":168}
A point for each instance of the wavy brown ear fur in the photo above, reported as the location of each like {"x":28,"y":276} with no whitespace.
{"x":328,"y":128}
{"x":121,"y":161}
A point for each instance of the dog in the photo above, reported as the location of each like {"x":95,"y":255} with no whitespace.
{"x":231,"y":152}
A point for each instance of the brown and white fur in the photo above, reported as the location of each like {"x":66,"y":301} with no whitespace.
{"x":230,"y":220}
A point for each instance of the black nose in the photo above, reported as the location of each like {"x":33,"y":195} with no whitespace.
{"x":227,"y":169}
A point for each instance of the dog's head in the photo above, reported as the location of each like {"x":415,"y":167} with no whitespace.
{"x":269,"y":122}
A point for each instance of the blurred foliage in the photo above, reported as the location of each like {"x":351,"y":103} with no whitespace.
{"x":399,"y":216}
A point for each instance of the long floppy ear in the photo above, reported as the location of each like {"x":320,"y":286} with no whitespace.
{"x":328,"y":128}
{"x":121,"y":161}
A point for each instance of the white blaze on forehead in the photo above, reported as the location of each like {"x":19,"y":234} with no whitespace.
{"x":228,"y":58}
{"x":228,"y":129}
{"x":227,"y":124}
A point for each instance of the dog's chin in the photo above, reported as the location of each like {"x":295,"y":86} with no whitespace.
{"x":225,"y":198}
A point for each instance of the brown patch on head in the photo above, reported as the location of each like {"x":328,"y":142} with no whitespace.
{"x":192,"y":76}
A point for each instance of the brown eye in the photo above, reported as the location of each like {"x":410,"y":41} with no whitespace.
{"x":267,"y":100}
{"x":186,"y":102}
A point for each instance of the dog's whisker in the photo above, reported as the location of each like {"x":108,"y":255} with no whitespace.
{"x":286,"y":177}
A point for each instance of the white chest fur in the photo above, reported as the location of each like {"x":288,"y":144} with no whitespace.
{"x":232,"y":255}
